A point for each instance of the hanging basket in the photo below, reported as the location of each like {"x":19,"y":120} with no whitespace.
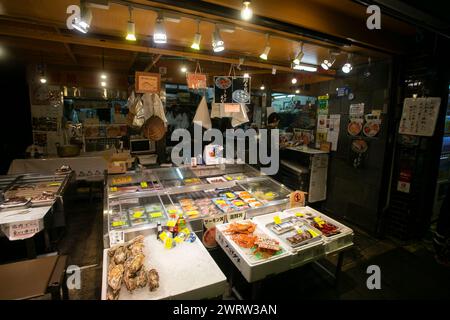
{"x":154,"y":128}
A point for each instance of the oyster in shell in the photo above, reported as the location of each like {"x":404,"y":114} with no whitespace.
{"x":141,"y":278}
{"x":153,"y":280}
{"x":115,"y":276}
{"x":134,"y":263}
{"x":130,"y":281}
{"x":112,"y":294}
{"x":136,"y":248}
{"x":120,"y":255}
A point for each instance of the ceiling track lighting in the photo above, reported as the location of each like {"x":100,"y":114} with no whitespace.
{"x":246,"y":12}
{"x":197,"y":38}
{"x":299,"y":56}
{"x":159,"y":33}
{"x":217,"y":42}
{"x":304,"y":67}
{"x":328,"y":63}
{"x":347,"y":67}
{"x":83,"y":22}
{"x":131,"y":28}
{"x":266,"y":51}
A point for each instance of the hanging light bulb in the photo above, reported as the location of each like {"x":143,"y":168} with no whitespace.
{"x":297,"y":91}
{"x":43,"y":79}
{"x":131,"y":28}
{"x":347,"y":67}
{"x":183,"y":69}
{"x":159,"y":34}
{"x":246,"y":12}
{"x":299,"y":56}
{"x":217,"y":42}
{"x":246,"y":75}
{"x":197,"y":38}
{"x":265,"y":54}
{"x":294,"y":80}
{"x":103,"y":83}
{"x":262,"y":87}
{"x":83,"y":23}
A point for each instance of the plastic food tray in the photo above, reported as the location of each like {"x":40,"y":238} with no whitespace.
{"x":333,"y":243}
{"x":304,"y":228}
{"x":253,"y":269}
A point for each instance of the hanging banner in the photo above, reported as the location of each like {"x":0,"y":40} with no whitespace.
{"x":146,"y":82}
{"x":196,"y":80}
{"x":228,"y":89}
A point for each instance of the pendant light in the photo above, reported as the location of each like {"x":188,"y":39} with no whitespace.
{"x":347,"y":67}
{"x":197,"y":38}
{"x":103,"y":75}
{"x":159,"y":34}
{"x":42,"y":78}
{"x":294,"y":80}
{"x":299,"y":56}
{"x":265,"y":54}
{"x":83,"y":23}
{"x":217,"y":42}
{"x":131,"y":28}
{"x":246,"y":12}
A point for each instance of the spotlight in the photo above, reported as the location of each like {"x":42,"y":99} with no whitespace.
{"x":297,"y":91}
{"x":131,"y":28}
{"x":103,"y":76}
{"x":294,"y":80}
{"x":274,"y":71}
{"x":299,"y":56}
{"x":347,"y":67}
{"x":197,"y":38}
{"x":327,"y":63}
{"x":246,"y":75}
{"x":263,"y":87}
{"x":103,"y":83}
{"x":183,"y":69}
{"x":43,"y":80}
{"x":83,"y":23}
{"x":304,"y":67}
{"x":265,"y":54}
{"x":159,"y":34}
{"x":246,"y":12}
{"x":217,"y":42}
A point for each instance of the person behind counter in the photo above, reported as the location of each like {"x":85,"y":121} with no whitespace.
{"x":273,"y":121}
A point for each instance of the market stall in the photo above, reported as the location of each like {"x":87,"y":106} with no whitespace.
{"x":31,"y":203}
{"x":182,"y":210}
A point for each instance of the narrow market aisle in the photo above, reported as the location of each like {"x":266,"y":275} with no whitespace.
{"x":83,"y":244}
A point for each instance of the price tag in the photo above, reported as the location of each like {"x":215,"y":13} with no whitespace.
{"x":299,"y":214}
{"x":155,"y":214}
{"x":114,"y":189}
{"x":178,"y":240}
{"x":186,"y":231}
{"x":116,"y":237}
{"x":277,"y":219}
{"x":313,"y":233}
{"x":172,"y":211}
{"x":168,"y":243}
{"x":54,"y":184}
{"x":297,"y":199}
{"x":319,"y":221}
{"x":137,"y":214}
{"x":144,"y":184}
{"x":192,"y":213}
{"x":117,"y":223}
{"x":171,"y":223}
{"x":163,"y":236}
{"x":298,"y":229}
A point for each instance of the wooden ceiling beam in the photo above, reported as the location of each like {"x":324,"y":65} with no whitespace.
{"x":109,"y":44}
{"x":68,"y":49}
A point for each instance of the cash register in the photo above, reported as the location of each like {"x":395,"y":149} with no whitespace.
{"x":144,"y":150}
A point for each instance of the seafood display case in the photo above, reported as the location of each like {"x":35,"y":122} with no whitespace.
{"x":139,"y":200}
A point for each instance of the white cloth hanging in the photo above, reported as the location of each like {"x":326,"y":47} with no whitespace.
{"x":202,"y":115}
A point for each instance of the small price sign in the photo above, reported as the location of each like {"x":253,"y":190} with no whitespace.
{"x":277,"y":219}
{"x":171,"y":223}
{"x":144,"y":185}
{"x":297,"y":199}
{"x":168,"y":243}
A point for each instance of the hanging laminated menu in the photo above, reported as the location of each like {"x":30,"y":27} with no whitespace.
{"x":228,"y":89}
{"x":419,"y":116}
{"x":356,"y":120}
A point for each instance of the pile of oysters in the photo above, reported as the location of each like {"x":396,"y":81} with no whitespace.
{"x":126,"y":265}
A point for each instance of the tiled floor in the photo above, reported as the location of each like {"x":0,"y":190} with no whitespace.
{"x":407,"y":271}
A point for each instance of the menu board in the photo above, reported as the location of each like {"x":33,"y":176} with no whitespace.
{"x":419,"y":116}
{"x":229,"y":89}
{"x":146,"y":82}
{"x":196,"y":80}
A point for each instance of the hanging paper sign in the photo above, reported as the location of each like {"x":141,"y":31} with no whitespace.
{"x":323,"y":104}
{"x":297,"y":199}
{"x":356,"y":110}
{"x":232,"y":107}
{"x":419,"y":116}
{"x":229,"y":89}
{"x":196,"y":80}
{"x":146,"y":82}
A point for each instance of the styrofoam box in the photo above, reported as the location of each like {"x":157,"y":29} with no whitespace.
{"x":334,"y":243}
{"x":253,"y":270}
{"x":300,"y":255}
